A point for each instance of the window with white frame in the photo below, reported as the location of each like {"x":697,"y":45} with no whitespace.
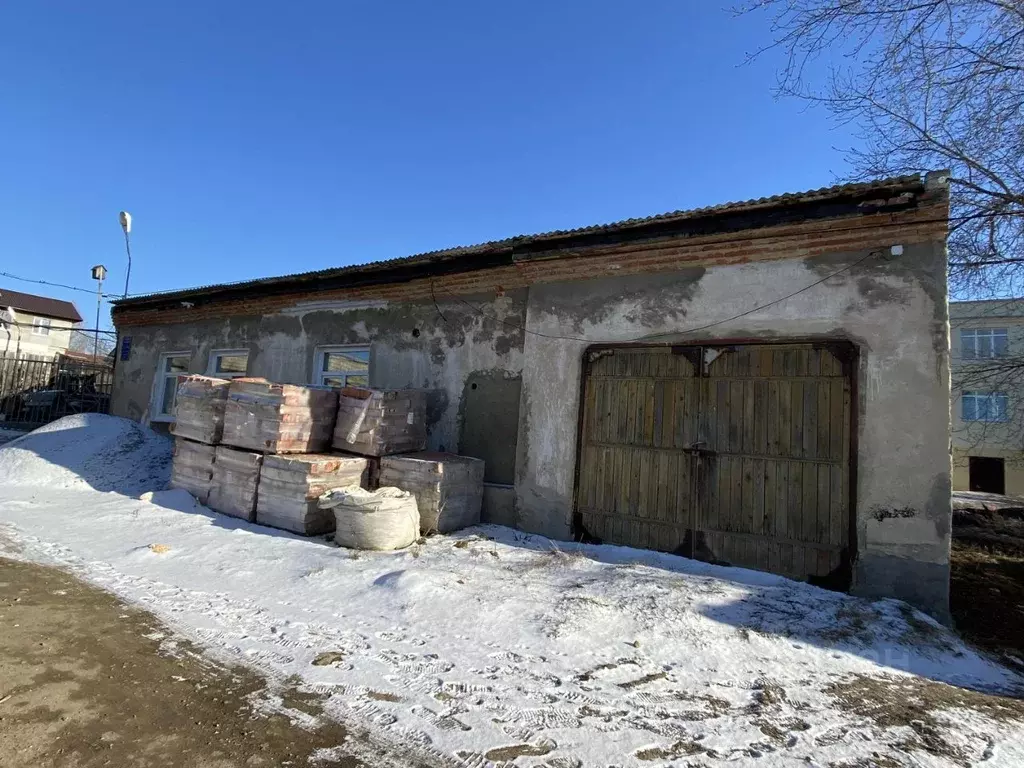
{"x":40,"y":326}
{"x":172,"y":365}
{"x":341,"y":366}
{"x":982,"y":343}
{"x":228,"y":363}
{"x":984,"y":406}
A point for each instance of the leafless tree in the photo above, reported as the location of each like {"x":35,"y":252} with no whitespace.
{"x":84,"y":341}
{"x":926,"y":84}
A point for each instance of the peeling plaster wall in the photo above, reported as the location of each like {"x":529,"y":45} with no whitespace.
{"x":894,"y":310}
{"x":411,"y":345}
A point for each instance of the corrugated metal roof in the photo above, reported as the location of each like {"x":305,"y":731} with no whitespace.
{"x":43,"y":306}
{"x":886,"y":186}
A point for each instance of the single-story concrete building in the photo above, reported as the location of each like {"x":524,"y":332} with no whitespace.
{"x":764,"y":383}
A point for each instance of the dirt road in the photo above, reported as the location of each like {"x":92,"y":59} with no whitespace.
{"x":81,"y":685}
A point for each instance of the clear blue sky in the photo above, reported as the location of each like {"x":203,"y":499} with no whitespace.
{"x":260,"y":138}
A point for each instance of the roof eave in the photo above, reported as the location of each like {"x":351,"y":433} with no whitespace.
{"x":849,"y":200}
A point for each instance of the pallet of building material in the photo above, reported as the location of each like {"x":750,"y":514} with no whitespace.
{"x":233,"y":486}
{"x":279,"y":418}
{"x":381,"y":520}
{"x":376,"y":422}
{"x":192,"y":467}
{"x":449,"y":489}
{"x":199,"y":408}
{"x":291,"y":485}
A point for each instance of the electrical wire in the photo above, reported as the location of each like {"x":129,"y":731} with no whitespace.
{"x":657,"y":335}
{"x":55,"y":285}
{"x":19,"y":324}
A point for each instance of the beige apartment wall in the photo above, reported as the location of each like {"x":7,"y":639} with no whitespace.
{"x":24,"y":342}
{"x":1014,"y":468}
{"x":995,"y":440}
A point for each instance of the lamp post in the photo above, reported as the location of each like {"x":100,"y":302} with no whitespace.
{"x":98,"y":273}
{"x":126,"y":225}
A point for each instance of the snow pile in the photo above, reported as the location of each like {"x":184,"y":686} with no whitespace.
{"x":492,"y":646}
{"x":88,"y":450}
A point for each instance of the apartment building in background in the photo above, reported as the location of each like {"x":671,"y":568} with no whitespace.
{"x":41,"y":327}
{"x":987,"y":346}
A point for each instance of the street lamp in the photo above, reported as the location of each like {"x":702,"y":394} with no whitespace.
{"x":98,"y":273}
{"x":126,"y":225}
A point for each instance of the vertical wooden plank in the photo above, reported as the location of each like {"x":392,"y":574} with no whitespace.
{"x":660,"y":387}
{"x":749,"y":421}
{"x":770,"y":493}
{"x":632,"y":468}
{"x":823,"y":419}
{"x":664,"y":480}
{"x":809,"y":502}
{"x":823,"y":563}
{"x":782,"y":499}
{"x":810,"y":425}
{"x":702,"y":412}
{"x":837,"y":533}
{"x":837,"y":418}
{"x":794,"y":492}
{"x":771,"y":426}
{"x":799,"y":572}
{"x":649,"y":415}
{"x":759,"y":523}
{"x":735,"y":509}
{"x":736,"y":410}
{"x":682,"y":412}
{"x":684,"y":498}
{"x":797,"y":418}
{"x":824,"y":504}
{"x":745,"y":521}
{"x":785,"y":418}
{"x":761,"y":413}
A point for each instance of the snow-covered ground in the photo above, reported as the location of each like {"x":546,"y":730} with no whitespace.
{"x":491,"y":646}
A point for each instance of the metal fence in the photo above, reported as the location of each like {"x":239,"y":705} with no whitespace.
{"x":35,"y":392}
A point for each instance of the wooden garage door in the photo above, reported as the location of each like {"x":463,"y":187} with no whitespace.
{"x":735,"y":455}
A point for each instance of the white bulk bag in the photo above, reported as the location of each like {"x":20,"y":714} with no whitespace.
{"x":383,"y":519}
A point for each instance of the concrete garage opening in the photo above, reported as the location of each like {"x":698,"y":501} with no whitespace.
{"x":733,"y":454}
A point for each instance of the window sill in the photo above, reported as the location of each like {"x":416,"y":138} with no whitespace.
{"x":163,"y":418}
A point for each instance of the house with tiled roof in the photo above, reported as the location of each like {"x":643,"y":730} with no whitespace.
{"x":35,"y":327}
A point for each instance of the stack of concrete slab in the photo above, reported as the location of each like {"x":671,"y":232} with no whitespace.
{"x":290,"y":486}
{"x":199,"y":409}
{"x":279,"y":418}
{"x":236,"y":476}
{"x":449,"y":489}
{"x":192,"y":468}
{"x":377,"y":422}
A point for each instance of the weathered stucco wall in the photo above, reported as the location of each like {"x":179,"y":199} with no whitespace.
{"x":444,"y":347}
{"x":894,"y":310}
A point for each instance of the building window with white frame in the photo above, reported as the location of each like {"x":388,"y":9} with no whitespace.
{"x":984,"y":406}
{"x":40,"y":326}
{"x":341,"y":366}
{"x":172,"y":366}
{"x":228,"y":363}
{"x":982,"y":343}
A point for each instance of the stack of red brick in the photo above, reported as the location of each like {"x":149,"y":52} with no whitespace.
{"x":259,"y":451}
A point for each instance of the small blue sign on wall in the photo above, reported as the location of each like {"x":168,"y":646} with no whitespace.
{"x":126,"y":347}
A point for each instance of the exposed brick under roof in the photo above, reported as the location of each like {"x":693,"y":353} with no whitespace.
{"x":42,"y":306}
{"x":825,"y":202}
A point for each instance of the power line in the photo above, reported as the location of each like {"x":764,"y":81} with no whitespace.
{"x":55,"y":328}
{"x":55,"y":285}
